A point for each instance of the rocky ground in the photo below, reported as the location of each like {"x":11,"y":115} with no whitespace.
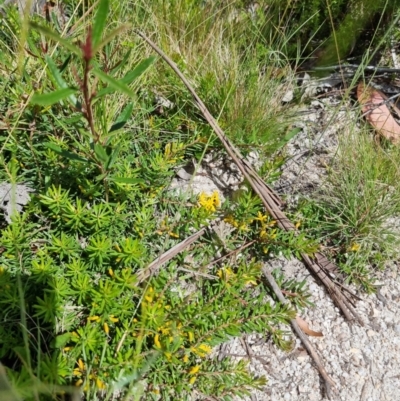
{"x":364,"y":361}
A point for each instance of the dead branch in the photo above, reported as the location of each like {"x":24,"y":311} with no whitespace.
{"x":329,"y":383}
{"x":154,"y":266}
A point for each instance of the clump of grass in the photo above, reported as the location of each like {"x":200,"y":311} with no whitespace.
{"x":355,"y":214}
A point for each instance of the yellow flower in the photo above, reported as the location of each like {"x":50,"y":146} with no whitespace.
{"x":194,"y":370}
{"x":231,"y":220}
{"x":100,"y":384}
{"x":80,"y":369}
{"x":164,"y":330}
{"x":114,"y":319}
{"x":250,"y":280}
{"x":78,"y":382}
{"x":157,"y":341}
{"x":204,"y":348}
{"x":215,"y":199}
{"x":209,"y":202}
{"x":192,"y":379}
{"x":298,"y":224}
{"x":225,"y":273}
{"x":244,"y":227}
{"x":173,"y":235}
{"x":261,"y":217}
{"x":94,"y":318}
{"x":106,"y":328}
{"x":355,"y":247}
{"x":186,"y":358}
{"x":111,"y":272}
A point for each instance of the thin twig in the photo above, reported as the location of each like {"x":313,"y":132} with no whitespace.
{"x":371,"y":68}
{"x":154,"y":266}
{"x":270,"y":199}
{"x":329,"y":383}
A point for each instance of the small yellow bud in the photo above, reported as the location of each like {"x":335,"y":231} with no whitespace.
{"x":106,"y":328}
{"x":81,"y":365}
{"x":194,"y":370}
{"x":157,"y":341}
{"x":100,"y":384}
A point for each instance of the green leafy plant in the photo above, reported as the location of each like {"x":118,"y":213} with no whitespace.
{"x":99,"y":154}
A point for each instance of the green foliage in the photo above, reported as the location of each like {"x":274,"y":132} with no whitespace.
{"x":99,"y":152}
{"x":354,"y":213}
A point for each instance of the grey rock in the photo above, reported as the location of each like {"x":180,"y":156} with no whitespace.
{"x":13,"y":198}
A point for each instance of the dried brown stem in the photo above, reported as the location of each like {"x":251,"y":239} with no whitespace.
{"x":154,"y":266}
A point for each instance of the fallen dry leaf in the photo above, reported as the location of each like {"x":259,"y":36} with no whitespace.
{"x":373,"y":104}
{"x":304,"y":326}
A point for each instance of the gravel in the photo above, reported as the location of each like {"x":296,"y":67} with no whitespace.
{"x":363,"y":361}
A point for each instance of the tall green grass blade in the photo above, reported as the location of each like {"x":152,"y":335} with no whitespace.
{"x":114,"y":84}
{"x":110,"y":37}
{"x":100,"y":21}
{"x":101,"y":153}
{"x":130,"y":76}
{"x":59,"y":79}
{"x":122,"y":62}
{"x":6,"y":391}
{"x":122,"y":118}
{"x":47,"y":99}
{"x":113,"y":157}
{"x":65,"y":153}
{"x":56,"y":37}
